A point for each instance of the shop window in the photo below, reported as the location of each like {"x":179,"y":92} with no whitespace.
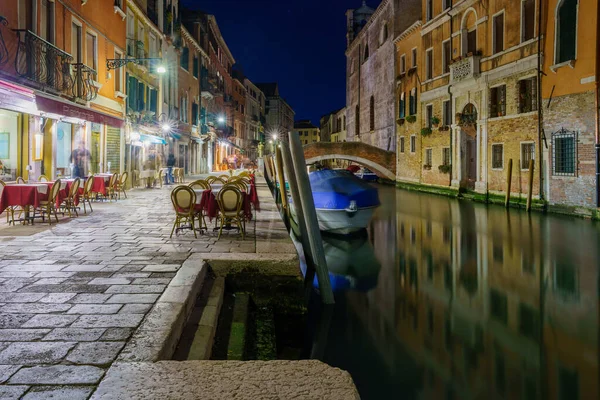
{"x":372,"y":113}
{"x":446,"y":159}
{"x":446,"y":56}
{"x":498,"y":306}
{"x":528,"y":95}
{"x":402,"y":145}
{"x":429,"y":64}
{"x":564,"y":153}
{"x":527,"y":154}
{"x":413,"y":144}
{"x":185,"y":58}
{"x":527,"y":20}
{"x":566,"y":31}
{"x":498,"y":101}
{"x":497,"y":156}
{"x":498,"y":33}
{"x":568,"y":384}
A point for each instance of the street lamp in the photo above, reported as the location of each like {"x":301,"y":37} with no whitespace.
{"x":221,"y":119}
{"x":166,"y":128}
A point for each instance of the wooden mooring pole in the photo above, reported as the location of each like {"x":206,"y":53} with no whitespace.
{"x":281,"y":180}
{"x":310,"y":217}
{"x":530,"y":184}
{"x":508,"y":182}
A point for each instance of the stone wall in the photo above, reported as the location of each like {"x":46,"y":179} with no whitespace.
{"x":436,"y":141}
{"x":573,"y":112}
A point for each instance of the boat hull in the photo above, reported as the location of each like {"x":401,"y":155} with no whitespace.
{"x":344,"y":222}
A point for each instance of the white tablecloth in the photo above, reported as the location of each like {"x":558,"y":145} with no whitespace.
{"x":148,"y":173}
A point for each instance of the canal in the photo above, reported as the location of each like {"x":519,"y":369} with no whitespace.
{"x":450,"y":299}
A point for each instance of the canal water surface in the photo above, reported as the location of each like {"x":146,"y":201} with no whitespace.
{"x":450,"y":299}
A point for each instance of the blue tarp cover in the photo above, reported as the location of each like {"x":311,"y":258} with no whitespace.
{"x":335,"y":189}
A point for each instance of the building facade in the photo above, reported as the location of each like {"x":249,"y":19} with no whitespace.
{"x":255,"y":119}
{"x":58,"y":95}
{"x":279,"y":115}
{"x":307,"y":132}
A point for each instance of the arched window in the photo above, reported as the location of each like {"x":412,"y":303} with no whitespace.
{"x":412,"y":102}
{"x":372,"y":114}
{"x":402,"y":106}
{"x":357,"y":120}
{"x":366,"y":52}
{"x":469,"y":32}
{"x":566,"y":31}
{"x":384,"y":34}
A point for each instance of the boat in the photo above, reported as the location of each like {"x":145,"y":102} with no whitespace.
{"x":344,"y":203}
{"x":366,"y":174}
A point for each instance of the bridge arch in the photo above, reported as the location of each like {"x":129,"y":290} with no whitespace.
{"x":382,"y":162}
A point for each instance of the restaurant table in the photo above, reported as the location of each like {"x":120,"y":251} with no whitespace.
{"x":100,"y":183}
{"x":206,"y":200}
{"x":149,"y":175}
{"x":24,"y":196}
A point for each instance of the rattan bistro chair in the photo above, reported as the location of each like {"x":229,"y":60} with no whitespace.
{"x":210,"y":179}
{"x":184,"y":202}
{"x":20,"y":180}
{"x":10,"y":211}
{"x":86,"y":197}
{"x":43,"y":178}
{"x":48,"y":207}
{"x":219,"y":180}
{"x":121,"y":184}
{"x":111,"y":189}
{"x":200,"y":184}
{"x":71,"y":200}
{"x":230,"y":201}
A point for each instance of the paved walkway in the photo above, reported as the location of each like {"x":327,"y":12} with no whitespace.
{"x":72,"y":295}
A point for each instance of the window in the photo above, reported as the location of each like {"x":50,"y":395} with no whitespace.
{"x":472,"y":41}
{"x":413,"y":143}
{"x":429,"y":64}
{"x":528,"y":95}
{"x":194,"y":114}
{"x":196,"y":70}
{"x":357,"y":121}
{"x":402,"y":106}
{"x":153,"y":45}
{"x":429,"y":10}
{"x":566,"y":31}
{"x":446,"y":159}
{"x":528,"y":321}
{"x":414,"y":57}
{"x":76,"y":43}
{"x":527,"y":20}
{"x":498,"y":306}
{"x":118,"y":75}
{"x":498,"y":34}
{"x":91,"y":47}
{"x":372,"y":114}
{"x":185,"y":58}
{"x":446,"y":56}
{"x":446,"y":4}
{"x":568,"y":384}
{"x":527,"y":154}
{"x":428,"y":157}
{"x":184,"y":109}
{"x":447,"y":110}
{"x":366,"y":53}
{"x":47,"y":21}
{"x":564,"y":153}
{"x":497,"y":156}
{"x":412,"y":106}
{"x":402,"y":144}
{"x":428,"y":115}
{"x":498,"y":101}
{"x":384,"y":34}
{"x":403,"y":63}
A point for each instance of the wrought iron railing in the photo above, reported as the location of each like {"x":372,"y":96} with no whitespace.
{"x":42,"y":62}
{"x":3,"y":49}
{"x":135,"y":49}
{"x":84,"y":86}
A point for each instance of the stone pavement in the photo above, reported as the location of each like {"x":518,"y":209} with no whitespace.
{"x":71,"y":296}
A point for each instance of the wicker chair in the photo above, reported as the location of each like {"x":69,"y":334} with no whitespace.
{"x":10,"y":212}
{"x":230,"y":201}
{"x":223,"y":177}
{"x":71,"y":200}
{"x":211,"y":179}
{"x":20,"y":180}
{"x":43,"y":178}
{"x":219,"y":180}
{"x":86,"y":197}
{"x":184,"y":203}
{"x":121,"y":184}
{"x":48,"y":207}
{"x":161,"y":176}
{"x":200,"y":184}
{"x":111,"y":189}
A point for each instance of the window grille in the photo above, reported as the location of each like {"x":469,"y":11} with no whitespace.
{"x":527,"y":154}
{"x":498,"y":101}
{"x":429,"y":115}
{"x":401,"y":145}
{"x":446,"y":159}
{"x":413,"y":144}
{"x":528,"y":95}
{"x":428,"y":156}
{"x":497,"y":156}
{"x":564,"y":153}
{"x":447,"y":113}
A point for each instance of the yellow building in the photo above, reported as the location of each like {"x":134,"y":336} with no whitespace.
{"x":308,"y":132}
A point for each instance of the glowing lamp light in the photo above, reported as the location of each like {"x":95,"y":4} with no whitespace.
{"x":161,"y":69}
{"x":221,"y":119}
{"x":270,"y":141}
{"x":274,"y":136}
{"x":166,"y":127}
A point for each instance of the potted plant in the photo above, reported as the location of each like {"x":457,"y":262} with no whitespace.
{"x":444,"y":128}
{"x":444,"y":168}
{"x":411,"y":119}
{"x":426,"y":131}
{"x":400,"y":121}
{"x":435,"y":121}
{"x":427,"y":167}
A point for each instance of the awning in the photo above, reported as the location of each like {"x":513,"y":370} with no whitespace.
{"x":16,"y":98}
{"x":152,"y":139}
{"x":68,"y":109}
{"x":175,"y":135}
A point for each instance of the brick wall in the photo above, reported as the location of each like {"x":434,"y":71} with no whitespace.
{"x":574,"y":113}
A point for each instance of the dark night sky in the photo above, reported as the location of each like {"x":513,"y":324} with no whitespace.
{"x":298,"y":43}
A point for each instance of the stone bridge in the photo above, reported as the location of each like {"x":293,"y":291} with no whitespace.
{"x":382,"y":162}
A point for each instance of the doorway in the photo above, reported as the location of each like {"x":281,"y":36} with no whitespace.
{"x":468,"y":124}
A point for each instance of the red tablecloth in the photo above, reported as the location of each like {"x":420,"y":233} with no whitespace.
{"x":100,"y":183}
{"x":64,"y":193}
{"x":208,"y":203}
{"x":21,"y":195}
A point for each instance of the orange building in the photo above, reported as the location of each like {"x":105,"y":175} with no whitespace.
{"x":60,"y":93}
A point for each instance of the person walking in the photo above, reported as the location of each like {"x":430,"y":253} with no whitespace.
{"x":79,"y":159}
{"x":170,"y":165}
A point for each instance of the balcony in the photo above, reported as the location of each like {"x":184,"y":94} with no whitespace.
{"x":208,"y":88}
{"x":135,"y":49}
{"x":465,"y":68}
{"x":84,"y":83}
{"x":43,"y":63}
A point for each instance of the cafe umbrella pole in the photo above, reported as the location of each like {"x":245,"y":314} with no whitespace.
{"x":310,"y":217}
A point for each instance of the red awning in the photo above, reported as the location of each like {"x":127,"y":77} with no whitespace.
{"x":72,"y":110}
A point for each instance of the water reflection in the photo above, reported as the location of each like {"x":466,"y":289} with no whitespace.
{"x":471,"y":301}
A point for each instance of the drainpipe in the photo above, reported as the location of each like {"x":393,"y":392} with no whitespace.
{"x":450,"y":93}
{"x":540,"y":74}
{"x":597,"y":93}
